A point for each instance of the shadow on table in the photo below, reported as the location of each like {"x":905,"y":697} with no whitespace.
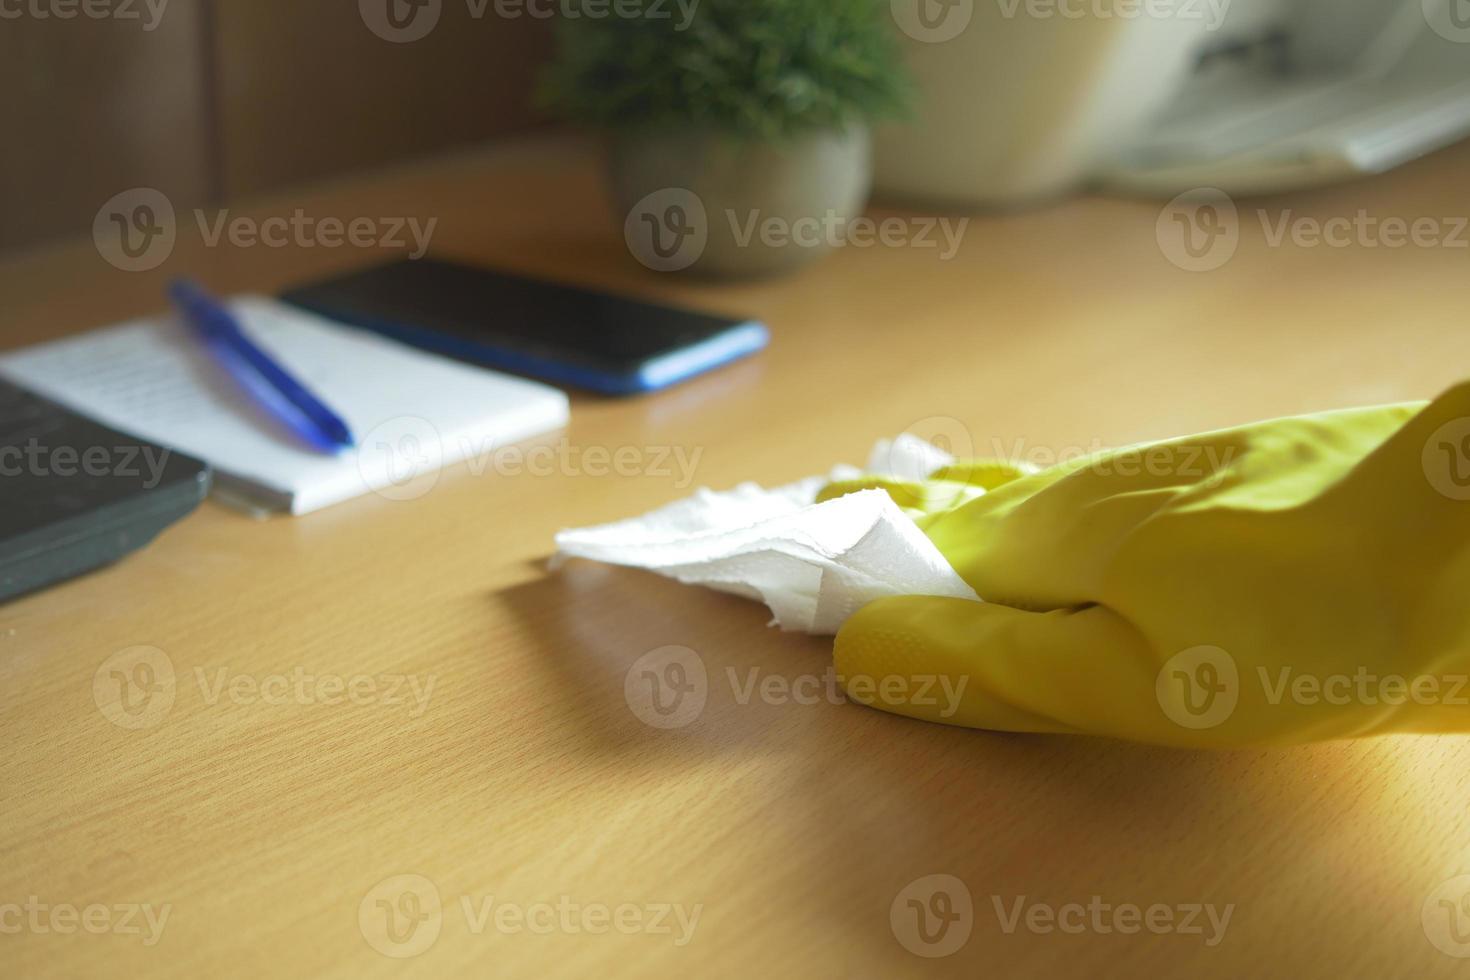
{"x":867,"y":803}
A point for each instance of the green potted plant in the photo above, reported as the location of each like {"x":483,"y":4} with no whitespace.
{"x":738,"y":129}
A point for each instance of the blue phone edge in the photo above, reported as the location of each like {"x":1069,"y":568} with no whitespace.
{"x":738,"y":341}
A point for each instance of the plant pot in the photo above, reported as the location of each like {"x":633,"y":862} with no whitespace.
{"x":720,"y":206}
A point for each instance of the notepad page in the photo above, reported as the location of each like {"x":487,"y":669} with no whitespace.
{"x":409,"y":410}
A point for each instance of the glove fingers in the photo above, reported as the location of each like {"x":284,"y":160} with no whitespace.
{"x":983,"y":665}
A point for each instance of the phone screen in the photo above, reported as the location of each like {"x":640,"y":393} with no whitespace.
{"x":482,"y":309}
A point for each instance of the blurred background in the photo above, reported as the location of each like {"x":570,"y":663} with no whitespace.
{"x":1007,"y":101}
{"x":214,"y":100}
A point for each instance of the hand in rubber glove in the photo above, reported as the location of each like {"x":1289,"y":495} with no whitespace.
{"x":1288,"y":581}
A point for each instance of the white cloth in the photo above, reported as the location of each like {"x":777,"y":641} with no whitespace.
{"x":813,"y":564}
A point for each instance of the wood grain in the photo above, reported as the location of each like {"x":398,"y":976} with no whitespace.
{"x":91,"y":106}
{"x":211,"y":100}
{"x":526,"y":777}
{"x":308,"y":91}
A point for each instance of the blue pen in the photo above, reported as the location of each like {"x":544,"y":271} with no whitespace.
{"x":252,"y":368}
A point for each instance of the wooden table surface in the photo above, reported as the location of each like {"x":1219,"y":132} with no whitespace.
{"x":488,"y":755}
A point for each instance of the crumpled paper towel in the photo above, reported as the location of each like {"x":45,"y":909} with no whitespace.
{"x":813,"y":564}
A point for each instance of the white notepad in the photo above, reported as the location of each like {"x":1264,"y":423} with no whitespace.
{"x":410,"y":412}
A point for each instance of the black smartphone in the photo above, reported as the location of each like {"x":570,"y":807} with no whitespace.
{"x":615,"y":345}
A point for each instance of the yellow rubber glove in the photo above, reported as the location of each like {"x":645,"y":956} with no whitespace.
{"x":1288,"y":581}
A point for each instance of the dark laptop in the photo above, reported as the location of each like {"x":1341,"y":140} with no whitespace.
{"x":75,"y":495}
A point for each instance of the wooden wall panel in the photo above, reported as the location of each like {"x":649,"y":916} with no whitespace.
{"x":225,"y":98}
{"x":307,"y":89}
{"x":92,"y":107}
